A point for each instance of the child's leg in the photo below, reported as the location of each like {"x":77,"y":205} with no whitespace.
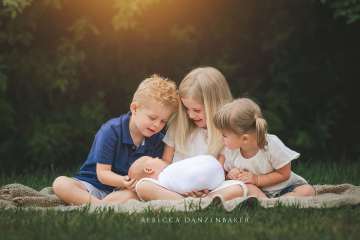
{"x":121,"y":196}
{"x":147,"y":191}
{"x":236,"y":191}
{"x":255,"y":191}
{"x":72,"y":192}
{"x":305,"y":190}
{"x":229,"y":193}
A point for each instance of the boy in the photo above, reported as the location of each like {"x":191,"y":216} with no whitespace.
{"x":118,"y":143}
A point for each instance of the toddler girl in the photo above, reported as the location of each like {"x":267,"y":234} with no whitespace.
{"x":255,"y":157}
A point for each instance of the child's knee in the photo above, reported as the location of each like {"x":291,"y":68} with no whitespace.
{"x":59,"y":183}
{"x":142,"y":189}
{"x":235,"y":191}
{"x":306,"y":190}
{"x":230,"y":192}
{"x":239,"y":190}
{"x":255,"y":191}
{"x":63,"y":184}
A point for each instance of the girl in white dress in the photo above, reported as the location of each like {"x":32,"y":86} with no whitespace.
{"x":255,"y":157}
{"x":192,"y":132}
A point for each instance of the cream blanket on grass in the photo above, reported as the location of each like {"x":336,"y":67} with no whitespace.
{"x":328,"y":196}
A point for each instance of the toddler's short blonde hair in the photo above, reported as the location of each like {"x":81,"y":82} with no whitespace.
{"x":159,"y":89}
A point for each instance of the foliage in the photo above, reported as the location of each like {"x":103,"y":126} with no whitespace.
{"x":46,"y":121}
{"x":15,"y":7}
{"x":348,"y":9}
{"x":67,"y":66}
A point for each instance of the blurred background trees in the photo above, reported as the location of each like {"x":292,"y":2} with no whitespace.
{"x":67,"y":66}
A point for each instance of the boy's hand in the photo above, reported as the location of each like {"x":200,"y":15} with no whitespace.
{"x":247,"y":177}
{"x":197,"y":194}
{"x":233,"y":174}
{"x":129,"y":183}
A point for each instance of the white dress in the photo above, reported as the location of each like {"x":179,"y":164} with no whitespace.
{"x":276,"y":155}
{"x":196,"y":145}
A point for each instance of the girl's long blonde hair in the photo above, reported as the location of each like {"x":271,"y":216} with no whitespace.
{"x":241,"y":116}
{"x":208,"y":86}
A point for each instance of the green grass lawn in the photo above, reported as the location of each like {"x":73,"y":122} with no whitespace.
{"x":214,"y":223}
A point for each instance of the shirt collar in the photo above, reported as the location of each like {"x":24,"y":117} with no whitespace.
{"x":141,"y":148}
{"x":126,"y":136}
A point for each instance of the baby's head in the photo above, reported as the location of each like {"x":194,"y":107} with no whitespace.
{"x":146,"y":167}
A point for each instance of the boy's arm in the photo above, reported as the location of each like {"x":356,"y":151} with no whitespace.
{"x":104,"y":152}
{"x":168,"y":154}
{"x":108,"y":177}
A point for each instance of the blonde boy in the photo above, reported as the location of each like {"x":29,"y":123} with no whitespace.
{"x":119,"y":142}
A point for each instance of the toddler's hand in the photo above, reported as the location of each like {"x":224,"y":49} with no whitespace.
{"x":247,"y":177}
{"x":233,"y":173}
{"x":129,"y":183}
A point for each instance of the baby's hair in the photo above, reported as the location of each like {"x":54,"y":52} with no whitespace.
{"x":158,"y":88}
{"x":241,"y":116}
{"x":208,"y":86}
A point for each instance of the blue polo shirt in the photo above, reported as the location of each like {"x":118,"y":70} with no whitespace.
{"x":113,"y":145}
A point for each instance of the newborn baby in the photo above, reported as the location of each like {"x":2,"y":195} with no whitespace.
{"x":191,"y":174}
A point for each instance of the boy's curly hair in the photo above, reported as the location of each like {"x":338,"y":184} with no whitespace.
{"x":159,"y":89}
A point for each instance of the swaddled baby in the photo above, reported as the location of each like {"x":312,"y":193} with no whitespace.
{"x":191,"y":174}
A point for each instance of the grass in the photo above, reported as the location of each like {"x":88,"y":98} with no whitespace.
{"x":214,"y":223}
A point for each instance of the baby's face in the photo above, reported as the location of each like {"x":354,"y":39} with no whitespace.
{"x":146,"y":167}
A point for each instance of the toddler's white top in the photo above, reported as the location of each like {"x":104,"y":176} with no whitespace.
{"x":275,"y":155}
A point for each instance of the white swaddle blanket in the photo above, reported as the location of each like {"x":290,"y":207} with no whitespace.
{"x":194,"y":174}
